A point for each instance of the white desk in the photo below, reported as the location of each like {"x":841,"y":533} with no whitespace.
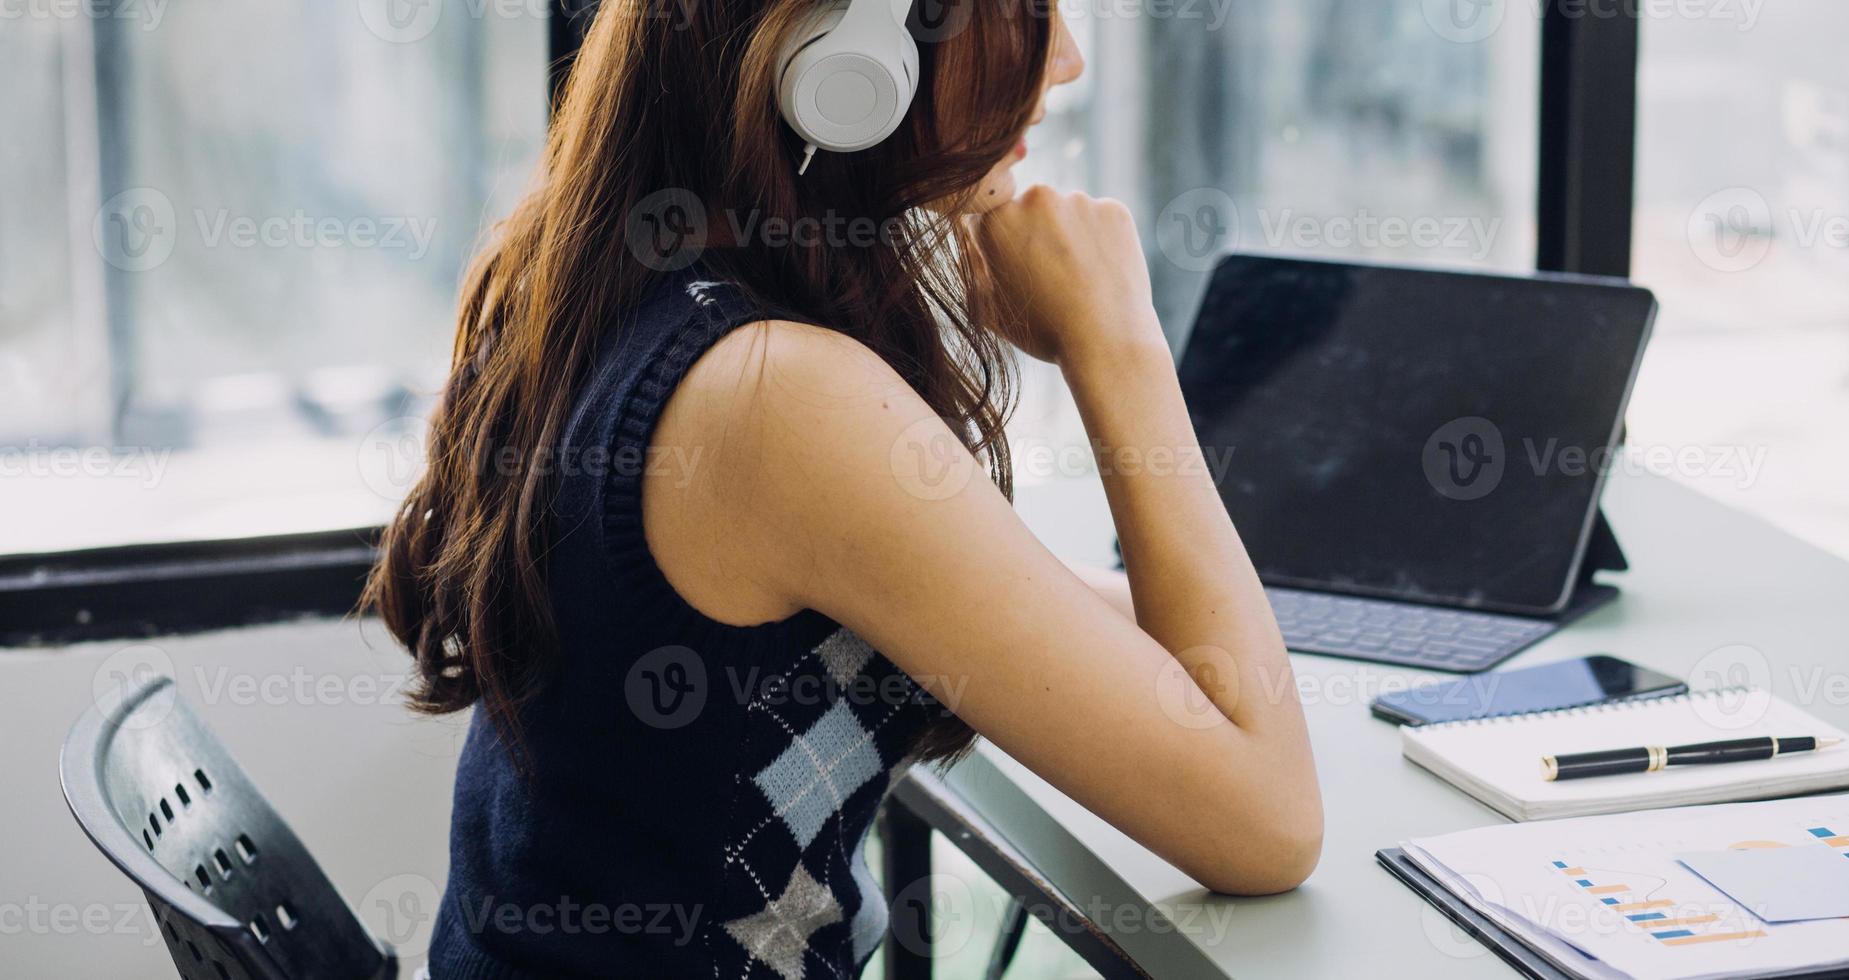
{"x":1703,"y":578}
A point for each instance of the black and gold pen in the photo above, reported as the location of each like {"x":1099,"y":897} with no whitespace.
{"x":1651,"y":758}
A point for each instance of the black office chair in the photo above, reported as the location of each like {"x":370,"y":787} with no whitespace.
{"x":236,"y":894}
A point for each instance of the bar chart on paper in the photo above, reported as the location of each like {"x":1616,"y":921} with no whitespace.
{"x":1822,"y":834}
{"x":1647,"y":901}
{"x":1608,"y":896}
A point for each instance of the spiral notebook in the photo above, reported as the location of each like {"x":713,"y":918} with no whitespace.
{"x":1498,"y":760}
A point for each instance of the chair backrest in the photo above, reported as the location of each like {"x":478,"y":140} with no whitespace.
{"x":235,"y":892}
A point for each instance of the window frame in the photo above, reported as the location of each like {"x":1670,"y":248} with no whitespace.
{"x":1586,"y":184}
{"x":1587,"y":179}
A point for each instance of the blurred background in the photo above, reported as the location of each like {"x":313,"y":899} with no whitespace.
{"x":233,"y":230}
{"x":231,"y":233}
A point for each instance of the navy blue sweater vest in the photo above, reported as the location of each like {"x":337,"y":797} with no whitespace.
{"x":700,"y":794}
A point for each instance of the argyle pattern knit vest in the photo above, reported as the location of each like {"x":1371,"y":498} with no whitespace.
{"x":697,"y":796}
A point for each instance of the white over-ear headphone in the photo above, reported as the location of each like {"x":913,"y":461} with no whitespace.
{"x":847,"y":76}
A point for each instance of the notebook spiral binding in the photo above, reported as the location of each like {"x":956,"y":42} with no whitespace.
{"x":1597,"y":707}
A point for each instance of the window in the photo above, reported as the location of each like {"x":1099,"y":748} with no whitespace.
{"x":1327,"y":128}
{"x":234,"y":231}
{"x":1742,"y":230}
{"x":1339,"y":128}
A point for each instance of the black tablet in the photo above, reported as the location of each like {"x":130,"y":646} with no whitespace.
{"x":1440,"y":437}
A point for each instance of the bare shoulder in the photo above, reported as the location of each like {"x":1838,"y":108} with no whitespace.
{"x":778,"y":400}
{"x":778,"y":369}
{"x":783,"y":426}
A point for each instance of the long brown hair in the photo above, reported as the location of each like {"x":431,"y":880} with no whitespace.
{"x":681,"y":98}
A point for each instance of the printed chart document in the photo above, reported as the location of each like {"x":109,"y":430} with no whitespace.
{"x":1607,"y":896}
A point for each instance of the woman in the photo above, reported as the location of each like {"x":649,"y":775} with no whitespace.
{"x":717,"y":537}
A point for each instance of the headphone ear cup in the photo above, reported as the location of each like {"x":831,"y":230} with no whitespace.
{"x":908,"y":64}
{"x":847,"y":89}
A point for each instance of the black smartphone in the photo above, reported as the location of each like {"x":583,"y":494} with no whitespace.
{"x":1568,"y":684}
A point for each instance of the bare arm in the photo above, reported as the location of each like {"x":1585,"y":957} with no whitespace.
{"x":1192,"y":586}
{"x":1108,"y":584}
{"x":813,"y":496}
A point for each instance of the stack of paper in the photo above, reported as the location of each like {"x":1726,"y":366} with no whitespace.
{"x":1626,"y":896}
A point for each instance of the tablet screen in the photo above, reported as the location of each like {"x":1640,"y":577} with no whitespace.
{"x":1433,"y":436}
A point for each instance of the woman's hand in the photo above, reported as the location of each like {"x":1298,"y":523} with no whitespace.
{"x":1073,"y":268}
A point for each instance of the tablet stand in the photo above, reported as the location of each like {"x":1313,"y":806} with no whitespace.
{"x":1603,"y":554}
